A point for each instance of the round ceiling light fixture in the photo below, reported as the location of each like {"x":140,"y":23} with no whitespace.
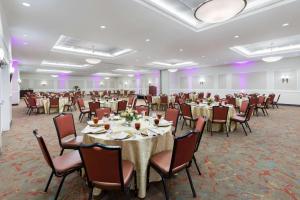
{"x":216,"y":11}
{"x":93,"y":61}
{"x":172,"y":70}
{"x":272,"y":58}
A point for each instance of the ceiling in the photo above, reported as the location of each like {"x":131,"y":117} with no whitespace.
{"x":154,"y":36}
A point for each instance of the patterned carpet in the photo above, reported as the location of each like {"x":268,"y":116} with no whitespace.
{"x":263,"y":165}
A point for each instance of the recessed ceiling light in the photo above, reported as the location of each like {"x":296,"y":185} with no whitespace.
{"x":172,"y":70}
{"x":147,"y":40}
{"x":203,"y":56}
{"x":25,"y":43}
{"x":106,"y":74}
{"x":272,"y":59}
{"x":285,"y":25}
{"x":130,"y":75}
{"x":174,"y":64}
{"x":53,"y":71}
{"x":93,"y":61}
{"x":26,"y":4}
{"x":63,"y":65}
{"x":107,"y":78}
{"x":103,"y":27}
{"x":181,"y":50}
{"x":25,"y":35}
{"x":236,"y":36}
{"x":54,"y":76}
{"x":124,"y":70}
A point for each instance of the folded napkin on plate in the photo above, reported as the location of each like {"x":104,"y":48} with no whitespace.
{"x":164,"y":122}
{"x":119,"y":136}
{"x":89,"y":129}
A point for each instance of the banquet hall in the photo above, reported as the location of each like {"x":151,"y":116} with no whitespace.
{"x":150,"y":99}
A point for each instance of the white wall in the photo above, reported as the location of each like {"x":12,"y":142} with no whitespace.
{"x":5,"y":85}
{"x":139,"y":83}
{"x":258,"y":77}
{"x":251,"y":77}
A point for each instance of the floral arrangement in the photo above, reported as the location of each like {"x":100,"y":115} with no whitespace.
{"x":210,"y":101}
{"x":129,"y":115}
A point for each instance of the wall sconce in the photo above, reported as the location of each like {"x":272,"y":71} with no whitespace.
{"x":149,"y":82}
{"x":202,"y":81}
{"x":125,"y":83}
{"x":19,"y":80}
{"x":44,"y":83}
{"x":284,"y":79}
{"x":101,"y":83}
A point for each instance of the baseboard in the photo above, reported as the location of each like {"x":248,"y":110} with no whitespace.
{"x":294,"y":105}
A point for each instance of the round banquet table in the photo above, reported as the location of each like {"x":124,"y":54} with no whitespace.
{"x":206,"y":111}
{"x":138,"y":149}
{"x":45,"y":102}
{"x":156,"y":99}
{"x":112,"y":104}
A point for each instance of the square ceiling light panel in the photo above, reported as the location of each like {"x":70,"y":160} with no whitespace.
{"x":286,"y":45}
{"x":182,"y":11}
{"x":66,"y":44}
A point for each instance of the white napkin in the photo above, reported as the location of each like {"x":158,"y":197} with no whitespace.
{"x":164,"y":122}
{"x":89,"y":129}
{"x":155,"y":131}
{"x":119,"y":136}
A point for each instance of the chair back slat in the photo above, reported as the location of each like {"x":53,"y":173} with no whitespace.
{"x":220,"y":112}
{"x":122,"y":105}
{"x":200,"y":125}
{"x":172,"y":114}
{"x":93,"y":106}
{"x":186,"y":110}
{"x":183,"y":151}
{"x":141,"y":109}
{"x":65,"y":125}
{"x":250,"y":112}
{"x":102,"y":163}
{"x":44,"y":149}
{"x":244,"y":106}
{"x":101,"y":112}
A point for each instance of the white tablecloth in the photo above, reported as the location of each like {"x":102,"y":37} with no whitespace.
{"x":46,"y":103}
{"x":137,"y":149}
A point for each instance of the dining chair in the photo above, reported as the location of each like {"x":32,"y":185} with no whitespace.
{"x":199,"y":129}
{"x":186,"y":96}
{"x":141,"y":109}
{"x":105,"y":168}
{"x":164,"y":102}
{"x":33,"y":105}
{"x":61,"y":166}
{"x":245,"y":119}
{"x":201,"y":95}
{"x":187,"y":115}
{"x":172,"y":115}
{"x":208,"y":95}
{"x":262,"y":104}
{"x":219,"y":116}
{"x":101,"y":112}
{"x":54,"y":103}
{"x":131,"y":101}
{"x":170,"y":162}
{"x":93,"y":106}
{"x":217,"y":98}
{"x":71,"y":104}
{"x":27,"y":104}
{"x":275,"y":103}
{"x":66,"y":132}
{"x":150,"y":102}
{"x":122,"y":105}
{"x":82,"y":109}
{"x":243,"y":108}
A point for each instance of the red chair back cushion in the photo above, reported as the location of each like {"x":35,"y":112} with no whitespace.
{"x":65,"y":125}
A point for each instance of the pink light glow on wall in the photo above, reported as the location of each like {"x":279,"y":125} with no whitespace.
{"x":189,"y":72}
{"x":62,"y":81}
